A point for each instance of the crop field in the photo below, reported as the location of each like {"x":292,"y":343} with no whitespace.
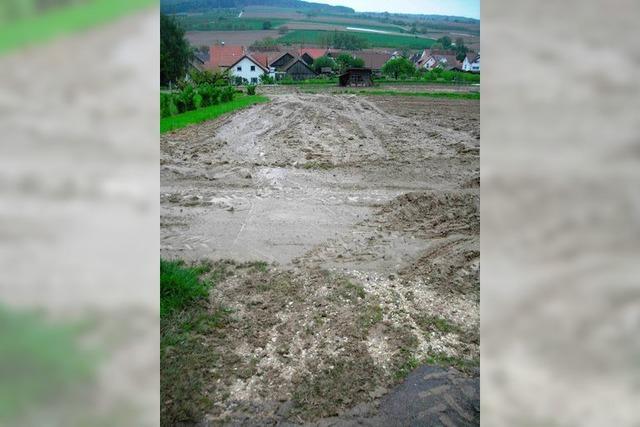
{"x":374,"y":40}
{"x":224,"y":21}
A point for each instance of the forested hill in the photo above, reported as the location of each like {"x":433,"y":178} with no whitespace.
{"x":184,"y":6}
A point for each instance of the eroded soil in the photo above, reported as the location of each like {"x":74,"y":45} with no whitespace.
{"x":366,"y":209}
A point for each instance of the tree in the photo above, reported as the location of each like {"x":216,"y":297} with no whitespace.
{"x":324,"y":62}
{"x":266,"y":25}
{"x":346,"y":61}
{"x":445,"y":41}
{"x":343,"y":40}
{"x":357,"y":63}
{"x":461,"y":49}
{"x":174,"y":51}
{"x":398,"y":67}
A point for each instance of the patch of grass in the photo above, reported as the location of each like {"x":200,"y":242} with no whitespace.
{"x":185,"y":357}
{"x":374,"y":40}
{"x":442,"y":359}
{"x":180,"y":285}
{"x":256,"y":265}
{"x":179,"y":121}
{"x":406,"y":367}
{"x":317,"y":165}
{"x":63,"y":20}
{"x":38,"y":361}
{"x":371,"y":315}
{"x":435,"y":323}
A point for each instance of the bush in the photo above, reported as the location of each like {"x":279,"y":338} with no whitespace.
{"x":210,"y":95}
{"x":266,"y":79}
{"x":193,"y":98}
{"x":165,"y":105}
{"x":251,"y":89}
{"x":227,"y":94}
{"x":197,"y":101}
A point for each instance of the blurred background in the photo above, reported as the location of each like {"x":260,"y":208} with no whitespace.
{"x":79,"y":213}
{"x":79,"y":315}
{"x":560,"y":213}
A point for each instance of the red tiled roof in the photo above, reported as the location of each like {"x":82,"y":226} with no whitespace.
{"x":261,"y":58}
{"x":315,"y":53}
{"x":252,"y":59}
{"x":224,"y":55}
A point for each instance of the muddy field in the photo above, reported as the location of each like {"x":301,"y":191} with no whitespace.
{"x":366,"y":211}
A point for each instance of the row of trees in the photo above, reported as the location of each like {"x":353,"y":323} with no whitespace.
{"x":399,"y":68}
{"x":343,"y":40}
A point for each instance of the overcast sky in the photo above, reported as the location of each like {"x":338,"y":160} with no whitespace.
{"x":468,"y":8}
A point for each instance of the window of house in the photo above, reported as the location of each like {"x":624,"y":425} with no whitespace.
{"x":253,"y":68}
{"x":238,"y":68}
{"x":254,"y":80}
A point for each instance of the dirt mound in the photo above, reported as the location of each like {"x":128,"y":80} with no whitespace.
{"x":433,"y":213}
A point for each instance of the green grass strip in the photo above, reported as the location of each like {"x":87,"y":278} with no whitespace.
{"x":38,"y":360}
{"x":64,"y":20}
{"x":168,"y":124}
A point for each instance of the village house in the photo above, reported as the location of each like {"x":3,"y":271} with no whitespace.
{"x":199,"y":61}
{"x":221,"y":57}
{"x":248,"y":69}
{"x":432,"y":59}
{"x":471,"y":62}
{"x":374,"y":60}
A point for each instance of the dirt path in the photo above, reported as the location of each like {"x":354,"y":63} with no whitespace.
{"x":367,"y":208}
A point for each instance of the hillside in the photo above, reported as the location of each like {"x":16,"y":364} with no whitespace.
{"x":194,"y":6}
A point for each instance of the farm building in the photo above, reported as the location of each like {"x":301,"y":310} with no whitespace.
{"x":297,"y":69}
{"x":356,"y":77}
{"x":281,"y":61}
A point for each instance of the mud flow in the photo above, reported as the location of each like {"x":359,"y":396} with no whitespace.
{"x":366,"y":210}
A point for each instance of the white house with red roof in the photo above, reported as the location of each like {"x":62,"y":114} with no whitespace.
{"x":249,"y":69}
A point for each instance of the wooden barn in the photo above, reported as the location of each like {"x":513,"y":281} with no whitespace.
{"x":281,"y":61}
{"x":356,"y":77}
{"x":299,"y":70}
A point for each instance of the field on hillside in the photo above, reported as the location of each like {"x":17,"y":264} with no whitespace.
{"x":338,"y":236}
{"x":308,"y":26}
{"x":374,"y":40}
{"x":244,"y":38}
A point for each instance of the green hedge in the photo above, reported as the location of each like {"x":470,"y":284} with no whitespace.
{"x":194,"y":97}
